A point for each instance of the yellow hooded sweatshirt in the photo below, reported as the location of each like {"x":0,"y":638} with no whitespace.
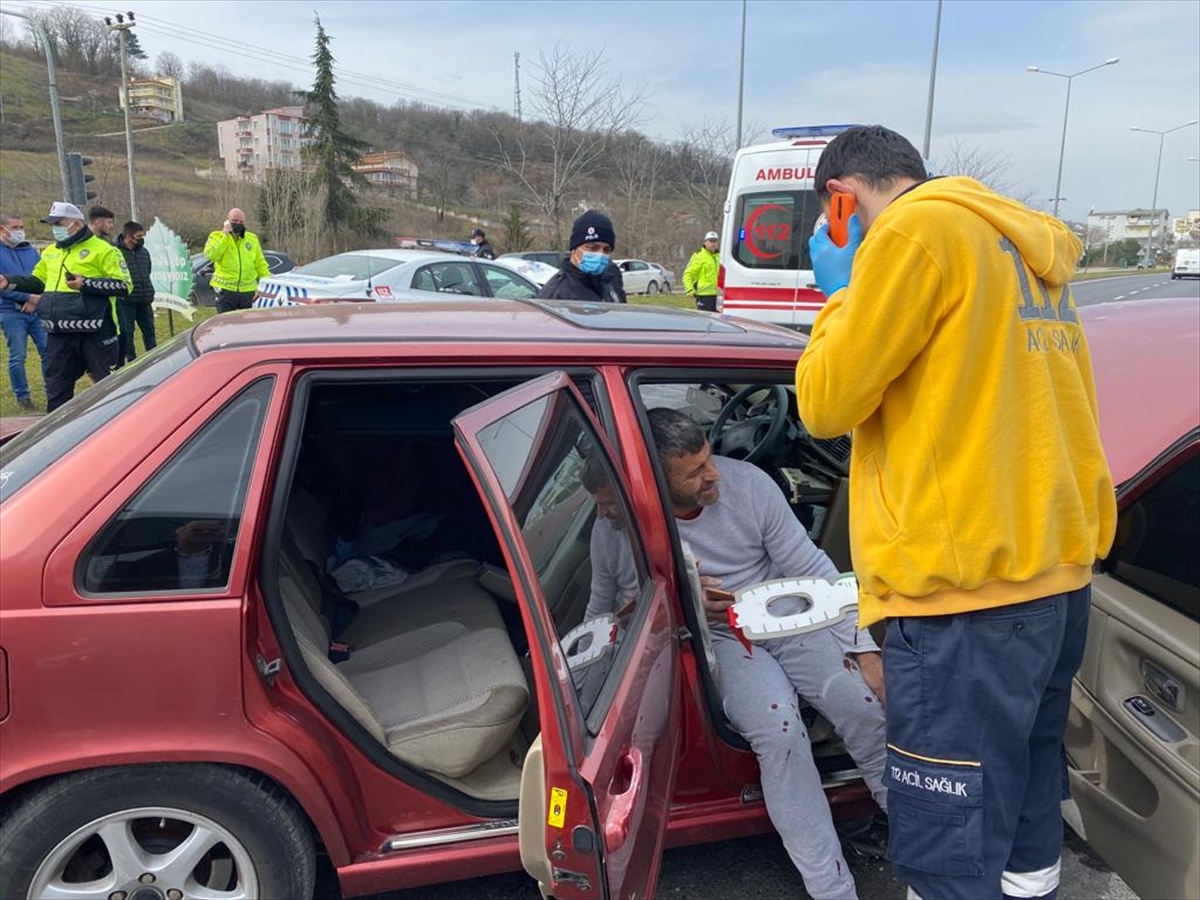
{"x":955,"y":355}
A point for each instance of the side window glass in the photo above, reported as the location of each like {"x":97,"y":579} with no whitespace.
{"x":178,"y":532}
{"x":576,"y":524}
{"x":423,"y":280}
{"x":505,"y":285}
{"x":1157,"y":537}
{"x":454,"y":278}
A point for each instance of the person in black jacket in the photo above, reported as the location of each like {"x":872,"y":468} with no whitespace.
{"x":483,"y":250}
{"x":587,"y":272}
{"x":136,"y":309}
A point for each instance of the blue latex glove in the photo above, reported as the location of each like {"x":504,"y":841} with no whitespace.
{"x":831,"y":263}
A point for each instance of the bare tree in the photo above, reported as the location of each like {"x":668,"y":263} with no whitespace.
{"x":991,"y":167}
{"x":167,"y":63}
{"x":637,"y":166}
{"x":706,"y":158}
{"x":576,"y":112}
{"x":80,"y":42}
{"x":285,"y":208}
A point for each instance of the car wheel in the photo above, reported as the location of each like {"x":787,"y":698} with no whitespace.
{"x":652,"y":287}
{"x":156,"y":831}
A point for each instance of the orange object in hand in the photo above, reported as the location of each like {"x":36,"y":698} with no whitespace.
{"x":841,"y":208}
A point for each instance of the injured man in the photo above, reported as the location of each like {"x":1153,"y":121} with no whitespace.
{"x":743,"y":532}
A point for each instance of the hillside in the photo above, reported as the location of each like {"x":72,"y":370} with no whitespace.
{"x":181,"y":179}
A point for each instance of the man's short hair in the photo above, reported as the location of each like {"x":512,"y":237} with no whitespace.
{"x":877,"y":155}
{"x":595,"y":475}
{"x":132,"y":228}
{"x":7,"y":219}
{"x":100,"y":212}
{"x":674,"y":433}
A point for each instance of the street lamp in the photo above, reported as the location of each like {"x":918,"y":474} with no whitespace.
{"x":1066,"y":111}
{"x":1157,"y":171}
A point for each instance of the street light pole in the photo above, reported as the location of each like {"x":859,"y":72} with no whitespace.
{"x":40,"y":33}
{"x":120,"y":27}
{"x":937,"y":31}
{"x":741,"y":78}
{"x":1062,"y":147}
{"x":1157,"y":171}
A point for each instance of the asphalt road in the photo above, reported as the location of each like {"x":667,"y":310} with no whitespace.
{"x":1133,"y":287}
{"x":759,"y":869}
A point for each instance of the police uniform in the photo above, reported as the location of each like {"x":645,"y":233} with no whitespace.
{"x":238,"y":264}
{"x":81,"y":324}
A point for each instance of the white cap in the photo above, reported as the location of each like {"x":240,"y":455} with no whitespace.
{"x":712,"y":236}
{"x":62,"y":210}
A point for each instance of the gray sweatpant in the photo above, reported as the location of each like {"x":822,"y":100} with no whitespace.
{"x":759,"y":693}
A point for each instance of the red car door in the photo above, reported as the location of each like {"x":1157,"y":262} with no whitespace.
{"x":598,"y":782}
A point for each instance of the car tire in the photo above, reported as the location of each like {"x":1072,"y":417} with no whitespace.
{"x":652,"y":287}
{"x":253,"y":838}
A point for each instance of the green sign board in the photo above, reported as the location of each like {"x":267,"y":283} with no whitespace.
{"x":172,"y":270}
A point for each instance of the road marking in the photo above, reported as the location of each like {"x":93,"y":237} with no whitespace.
{"x":1121,"y":297}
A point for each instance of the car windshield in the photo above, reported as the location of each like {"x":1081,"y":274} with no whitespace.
{"x":348,"y":267}
{"x":36,"y":449}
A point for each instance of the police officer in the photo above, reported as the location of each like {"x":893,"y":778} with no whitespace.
{"x":483,"y":250}
{"x":79,"y":277}
{"x":588,"y":272}
{"x":238,"y":263}
{"x":700,"y":276}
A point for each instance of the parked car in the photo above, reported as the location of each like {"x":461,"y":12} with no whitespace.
{"x":546,"y":257}
{"x":537,"y":272}
{"x":370,"y":275}
{"x":667,"y":278}
{"x":640,"y":277}
{"x":187,"y":695}
{"x":202,"y":271}
{"x":1187,"y":263}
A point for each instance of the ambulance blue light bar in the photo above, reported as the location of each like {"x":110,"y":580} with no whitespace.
{"x":803,"y":131}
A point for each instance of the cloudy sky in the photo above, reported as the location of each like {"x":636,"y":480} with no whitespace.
{"x":806,"y":63}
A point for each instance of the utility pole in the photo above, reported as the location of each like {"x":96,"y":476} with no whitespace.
{"x":937,"y":32}
{"x":120,"y":26}
{"x":40,"y":33}
{"x":517,"y":85}
{"x":741,"y":78}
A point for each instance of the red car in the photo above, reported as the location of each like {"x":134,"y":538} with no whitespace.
{"x":318,"y":582}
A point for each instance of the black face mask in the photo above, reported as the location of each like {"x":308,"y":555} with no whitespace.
{"x":139,"y":244}
{"x":238,"y":228}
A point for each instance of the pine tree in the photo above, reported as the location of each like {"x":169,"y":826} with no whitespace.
{"x":332,"y":152}
{"x":133,"y":47}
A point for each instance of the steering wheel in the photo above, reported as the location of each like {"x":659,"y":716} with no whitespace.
{"x":753,"y":437}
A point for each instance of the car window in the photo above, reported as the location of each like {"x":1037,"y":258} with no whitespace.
{"x":576,"y":523}
{"x":774,"y":228}
{"x":449,"y":278}
{"x":1157,"y":537}
{"x":507,"y":285}
{"x":348,"y":266}
{"x":35,"y":450}
{"x":178,"y":531}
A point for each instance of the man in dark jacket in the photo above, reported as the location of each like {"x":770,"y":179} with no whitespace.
{"x":17,"y":317}
{"x":588,"y":272}
{"x":136,"y":309}
{"x":483,"y":250}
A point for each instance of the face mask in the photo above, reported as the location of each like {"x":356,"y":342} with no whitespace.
{"x":593,"y":263}
{"x":238,"y":228}
{"x":60,"y":232}
{"x":17,"y":235}
{"x":139,"y":244}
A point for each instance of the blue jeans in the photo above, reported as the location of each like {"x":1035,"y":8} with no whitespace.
{"x":977,"y":707}
{"x":18,"y":328}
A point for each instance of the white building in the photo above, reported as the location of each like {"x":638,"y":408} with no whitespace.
{"x":1118,"y":225}
{"x":251,"y":146}
{"x":158,"y":97}
{"x":392,"y":169}
{"x":1185,"y":226}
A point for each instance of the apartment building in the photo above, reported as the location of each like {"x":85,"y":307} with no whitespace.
{"x":391,"y":169}
{"x":158,"y":97}
{"x":1117,"y":225}
{"x":252,"y":145}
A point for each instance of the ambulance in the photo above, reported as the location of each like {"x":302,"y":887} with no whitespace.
{"x":770,"y":213}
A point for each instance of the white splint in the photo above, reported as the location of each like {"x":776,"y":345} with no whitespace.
{"x":582,"y":652}
{"x":824,"y":605}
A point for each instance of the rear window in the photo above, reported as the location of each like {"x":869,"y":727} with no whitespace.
{"x":348,"y":266}
{"x":33,"y":451}
{"x":774,"y":228}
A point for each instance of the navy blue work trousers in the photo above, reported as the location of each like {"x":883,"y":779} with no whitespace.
{"x":977,"y":707}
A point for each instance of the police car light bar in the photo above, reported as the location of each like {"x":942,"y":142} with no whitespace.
{"x":799,"y":131}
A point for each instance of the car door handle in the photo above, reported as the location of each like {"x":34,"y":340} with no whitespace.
{"x":626,"y":786}
{"x":1163,"y":686}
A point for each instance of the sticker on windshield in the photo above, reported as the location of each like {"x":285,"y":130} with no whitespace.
{"x":4,"y":476}
{"x":557,"y":816}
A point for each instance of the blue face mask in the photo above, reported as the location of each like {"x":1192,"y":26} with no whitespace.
{"x":60,"y":232}
{"x":593,"y":263}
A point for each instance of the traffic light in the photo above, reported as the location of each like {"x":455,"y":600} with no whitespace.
{"x":77,"y":179}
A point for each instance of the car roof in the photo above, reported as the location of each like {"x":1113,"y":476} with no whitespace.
{"x":1147,"y":375}
{"x":398,"y":254}
{"x":470,"y":319}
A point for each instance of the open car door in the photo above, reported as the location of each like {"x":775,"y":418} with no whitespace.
{"x":1133,"y":737}
{"x":598,"y":781}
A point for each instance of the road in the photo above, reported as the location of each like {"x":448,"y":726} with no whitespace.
{"x":1133,"y":287}
{"x":759,"y":869}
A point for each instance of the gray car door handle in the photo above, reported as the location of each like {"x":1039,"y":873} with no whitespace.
{"x":1163,"y":686}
